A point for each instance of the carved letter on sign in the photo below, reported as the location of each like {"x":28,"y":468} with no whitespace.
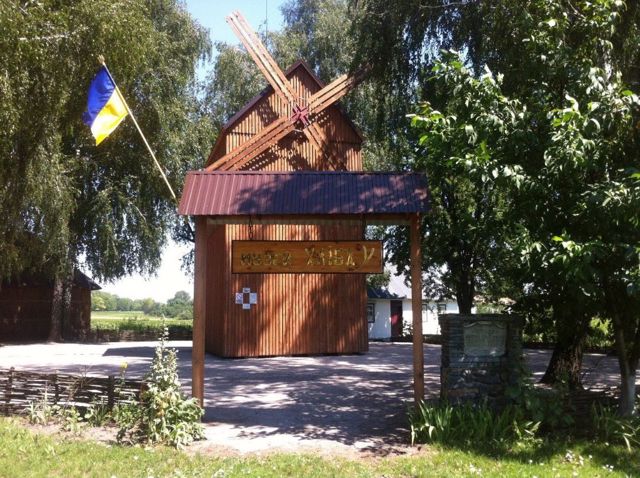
{"x":328,"y":257}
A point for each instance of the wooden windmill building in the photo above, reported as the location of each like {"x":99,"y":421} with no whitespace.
{"x":296,"y":314}
{"x":284,"y":183}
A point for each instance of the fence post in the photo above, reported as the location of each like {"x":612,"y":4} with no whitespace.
{"x":56,"y":389}
{"x":110,"y":392}
{"x":7,"y":392}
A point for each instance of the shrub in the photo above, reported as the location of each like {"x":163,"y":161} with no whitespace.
{"x":164,"y":414}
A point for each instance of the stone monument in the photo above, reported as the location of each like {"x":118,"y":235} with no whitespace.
{"x":481,"y":357}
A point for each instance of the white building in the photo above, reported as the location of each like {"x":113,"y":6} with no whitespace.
{"x":389,"y":311}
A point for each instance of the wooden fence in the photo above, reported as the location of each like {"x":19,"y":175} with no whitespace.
{"x":18,"y":389}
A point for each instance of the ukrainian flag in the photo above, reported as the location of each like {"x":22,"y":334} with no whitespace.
{"x":105,"y":106}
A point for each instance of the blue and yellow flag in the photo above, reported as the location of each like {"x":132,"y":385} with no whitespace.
{"x":105,"y":106}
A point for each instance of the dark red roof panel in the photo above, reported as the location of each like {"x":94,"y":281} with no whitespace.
{"x":240,"y":193}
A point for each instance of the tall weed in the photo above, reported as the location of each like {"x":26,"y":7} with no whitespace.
{"x":164,"y":415}
{"x":468,"y":424}
{"x":612,"y":428}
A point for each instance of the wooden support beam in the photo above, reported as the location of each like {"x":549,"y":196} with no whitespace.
{"x":199,"y":310}
{"x":416,"y":308}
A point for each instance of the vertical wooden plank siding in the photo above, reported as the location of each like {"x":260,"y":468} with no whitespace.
{"x":416,"y":309}
{"x":199,"y":310}
{"x":296,"y":313}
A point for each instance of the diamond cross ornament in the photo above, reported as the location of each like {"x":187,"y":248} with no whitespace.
{"x":246,"y":298}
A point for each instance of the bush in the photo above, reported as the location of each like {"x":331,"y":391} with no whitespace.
{"x":164,"y":414}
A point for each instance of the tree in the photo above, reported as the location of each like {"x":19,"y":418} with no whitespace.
{"x":105,"y":300}
{"x":179,"y":306}
{"x":149,"y":306}
{"x":97,"y":303}
{"x":462,"y":145}
{"x":574,"y":187}
{"x":124,"y":304}
{"x":63,"y":198}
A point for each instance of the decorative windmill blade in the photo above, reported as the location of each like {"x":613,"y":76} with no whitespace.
{"x":283,"y":88}
{"x":254,"y":146}
{"x":262,"y":58}
{"x":335,"y":90}
{"x":270,"y":135}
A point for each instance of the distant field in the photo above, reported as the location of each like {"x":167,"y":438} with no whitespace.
{"x":118,"y":314}
{"x":134,"y":320}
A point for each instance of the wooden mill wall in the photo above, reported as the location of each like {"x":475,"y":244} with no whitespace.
{"x":296,"y":314}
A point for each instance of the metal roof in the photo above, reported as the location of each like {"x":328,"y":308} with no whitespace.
{"x":245,"y":193}
{"x":381,"y":293}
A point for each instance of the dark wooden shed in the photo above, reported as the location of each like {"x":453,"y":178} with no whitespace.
{"x":25,"y":309}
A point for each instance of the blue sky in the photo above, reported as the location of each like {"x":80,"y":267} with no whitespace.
{"x":211,"y":14}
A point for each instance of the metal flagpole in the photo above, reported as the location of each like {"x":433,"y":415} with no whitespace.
{"x":103,"y":63}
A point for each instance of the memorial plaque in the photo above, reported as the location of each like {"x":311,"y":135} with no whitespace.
{"x":485,"y":339}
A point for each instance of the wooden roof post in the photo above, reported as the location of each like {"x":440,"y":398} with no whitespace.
{"x":199,"y":309}
{"x":416,"y":308}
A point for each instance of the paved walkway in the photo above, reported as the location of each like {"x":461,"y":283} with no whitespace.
{"x":332,"y":403}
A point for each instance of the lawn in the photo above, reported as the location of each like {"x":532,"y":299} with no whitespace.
{"x":34,"y":454}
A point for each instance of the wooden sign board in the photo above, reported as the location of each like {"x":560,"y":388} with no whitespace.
{"x":312,"y":257}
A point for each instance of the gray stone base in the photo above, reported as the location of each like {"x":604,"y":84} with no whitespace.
{"x":484,"y":367}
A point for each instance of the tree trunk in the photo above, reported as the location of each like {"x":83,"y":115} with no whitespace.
{"x":465,"y":290}
{"x":57,"y":310}
{"x":627,"y":405}
{"x":566,"y":360}
{"x":626,"y":329}
{"x":68,"y":328}
{"x":628,"y":369}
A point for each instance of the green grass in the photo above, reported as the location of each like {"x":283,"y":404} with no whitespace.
{"x":24,"y":453}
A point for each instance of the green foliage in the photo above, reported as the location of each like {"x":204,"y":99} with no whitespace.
{"x":563,"y":153}
{"x":464,"y":146}
{"x":72,"y":420}
{"x":610,"y":427}
{"x":550,"y":407}
{"x":379,"y":280}
{"x":180,"y":306}
{"x":41,"y":412}
{"x":63,"y":197}
{"x":530,"y":413}
{"x":98,"y":414}
{"x":164,"y":414}
{"x":468,"y":425}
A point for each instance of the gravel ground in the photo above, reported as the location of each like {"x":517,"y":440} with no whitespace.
{"x":328,"y":404}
